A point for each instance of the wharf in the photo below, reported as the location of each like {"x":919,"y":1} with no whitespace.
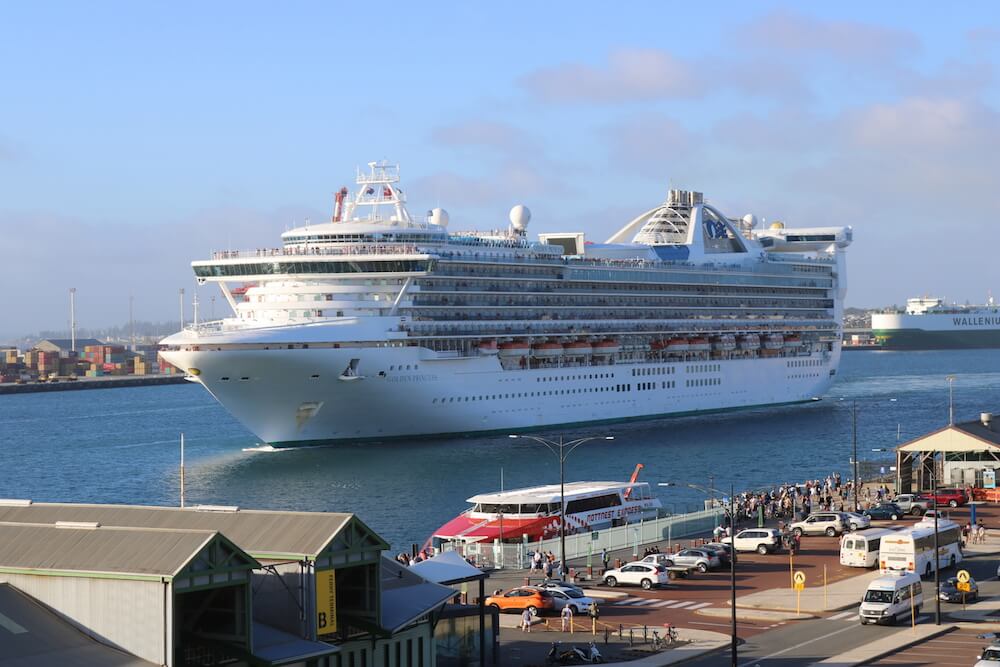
{"x":106,"y":382}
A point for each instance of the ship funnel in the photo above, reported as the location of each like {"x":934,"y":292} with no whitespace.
{"x":987,"y":419}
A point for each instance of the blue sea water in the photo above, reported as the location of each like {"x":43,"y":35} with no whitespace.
{"x":121,"y":446}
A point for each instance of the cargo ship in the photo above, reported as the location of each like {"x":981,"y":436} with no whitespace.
{"x":931,"y":324}
{"x":381,"y":324}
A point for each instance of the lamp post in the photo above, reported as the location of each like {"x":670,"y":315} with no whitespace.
{"x":937,"y":554}
{"x":854,"y":451}
{"x":562,"y":449}
{"x":731,"y":514}
{"x":951,"y":397}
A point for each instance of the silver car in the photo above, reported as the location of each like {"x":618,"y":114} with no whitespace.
{"x":701,"y":559}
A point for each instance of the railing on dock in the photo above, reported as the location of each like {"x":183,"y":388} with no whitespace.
{"x":633,"y":536}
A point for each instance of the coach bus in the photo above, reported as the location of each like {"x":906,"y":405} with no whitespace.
{"x":912,"y":550}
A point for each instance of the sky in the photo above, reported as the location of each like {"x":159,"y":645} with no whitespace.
{"x":137,"y":137}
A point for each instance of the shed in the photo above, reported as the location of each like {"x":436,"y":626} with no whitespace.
{"x":967,"y":449}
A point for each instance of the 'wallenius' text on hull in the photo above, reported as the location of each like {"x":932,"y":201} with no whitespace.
{"x":376,"y":326}
{"x":931,"y":324}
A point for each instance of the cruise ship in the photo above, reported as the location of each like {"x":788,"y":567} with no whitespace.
{"x":928,"y":323}
{"x":379,"y":324}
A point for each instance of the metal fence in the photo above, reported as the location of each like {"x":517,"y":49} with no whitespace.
{"x":579,"y":545}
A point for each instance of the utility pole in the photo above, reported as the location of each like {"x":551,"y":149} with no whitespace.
{"x":732,"y":573}
{"x":72,"y":320}
{"x":854,"y":446}
{"x":182,"y":470}
{"x":937,"y":554}
{"x":951,"y":402}
{"x":131,"y":322}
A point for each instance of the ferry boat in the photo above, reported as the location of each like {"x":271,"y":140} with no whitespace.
{"x":929,"y":323}
{"x":510,"y":515}
{"x":379,"y":324}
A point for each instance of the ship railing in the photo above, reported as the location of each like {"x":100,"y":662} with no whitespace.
{"x":340,"y":249}
{"x":668,"y":529}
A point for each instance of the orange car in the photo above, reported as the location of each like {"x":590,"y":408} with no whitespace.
{"x":519,"y":599}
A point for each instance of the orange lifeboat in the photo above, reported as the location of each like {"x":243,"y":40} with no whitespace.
{"x":577,"y":348}
{"x":606,"y":347}
{"x":488,"y":347}
{"x":513,"y":349}
{"x":749,"y":342}
{"x":678,"y":346}
{"x":547,"y":350}
{"x":774,"y":342}
{"x":699,"y":345}
{"x":793,"y":341}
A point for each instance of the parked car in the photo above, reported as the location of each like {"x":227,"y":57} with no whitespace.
{"x":950,"y":592}
{"x":534,"y":600}
{"x":761,"y":540}
{"x":559,"y":585}
{"x":990,"y":657}
{"x":702,"y":559}
{"x":821,"y":523}
{"x":949,"y":497}
{"x":723,"y":551}
{"x":570,"y":597}
{"x":912,"y":503}
{"x":857,"y":521}
{"x":885,"y":512}
{"x":646,"y":575}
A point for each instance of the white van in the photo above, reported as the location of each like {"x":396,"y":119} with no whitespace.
{"x":892,"y":597}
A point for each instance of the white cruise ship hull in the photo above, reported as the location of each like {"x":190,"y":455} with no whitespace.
{"x":299,"y":396}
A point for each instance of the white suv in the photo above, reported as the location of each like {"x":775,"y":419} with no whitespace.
{"x":761,"y":540}
{"x":646,"y":575}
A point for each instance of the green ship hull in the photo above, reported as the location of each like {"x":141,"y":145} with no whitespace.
{"x":919,"y":339}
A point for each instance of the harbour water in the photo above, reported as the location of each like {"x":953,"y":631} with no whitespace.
{"x":121,"y":446}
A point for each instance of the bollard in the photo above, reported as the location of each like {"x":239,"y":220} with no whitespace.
{"x":630,"y":637}
{"x":607,"y":634}
{"x":645,"y":635}
{"x":593,"y":626}
{"x":620,"y":630}
{"x":527,"y":581}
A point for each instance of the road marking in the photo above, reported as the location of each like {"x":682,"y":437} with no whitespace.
{"x":699,"y":606}
{"x":629,"y":601}
{"x":846,"y":614}
{"x":679,"y":605}
{"x":664,"y":603}
{"x":646,"y":602}
{"x":758,"y":661}
{"x":10,"y":626}
{"x":719,"y":625}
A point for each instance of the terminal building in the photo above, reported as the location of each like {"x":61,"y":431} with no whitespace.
{"x":132,"y":585}
{"x":964,"y":454}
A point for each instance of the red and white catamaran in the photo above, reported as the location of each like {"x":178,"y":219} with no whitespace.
{"x":510,"y":515}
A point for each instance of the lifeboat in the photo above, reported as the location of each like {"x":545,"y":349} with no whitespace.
{"x":749,"y":342}
{"x":513,"y":349}
{"x":699,"y":345}
{"x":793,"y":341}
{"x":546,"y":350}
{"x":488,"y":347}
{"x":774,"y":342}
{"x":657,"y":345}
{"x":606,"y":347}
{"x":577,"y":348}
{"x":677,"y":346}
{"x":726,"y":342}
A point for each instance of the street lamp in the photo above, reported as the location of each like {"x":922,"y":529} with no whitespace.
{"x":854,"y":448}
{"x":562,"y":450}
{"x":731,"y":513}
{"x":937,"y":554}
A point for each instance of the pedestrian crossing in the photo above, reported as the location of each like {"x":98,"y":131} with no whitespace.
{"x":853,"y":615}
{"x":654,"y":603}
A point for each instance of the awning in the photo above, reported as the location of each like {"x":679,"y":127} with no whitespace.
{"x":407,"y":596}
{"x":278,"y":647}
{"x":447,"y":568}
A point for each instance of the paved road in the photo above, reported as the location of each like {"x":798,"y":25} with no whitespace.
{"x":801,"y":643}
{"x":957,"y":648}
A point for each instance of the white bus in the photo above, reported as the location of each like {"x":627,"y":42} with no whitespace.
{"x":861,"y":548}
{"x":912,"y":550}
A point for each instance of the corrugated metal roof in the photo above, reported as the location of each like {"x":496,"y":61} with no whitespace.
{"x":122,"y":551}
{"x":31,"y":635}
{"x":257,"y":532}
{"x":406,"y":596}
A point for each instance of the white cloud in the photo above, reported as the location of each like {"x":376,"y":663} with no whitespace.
{"x":629,"y":74}
{"x":847,"y":40}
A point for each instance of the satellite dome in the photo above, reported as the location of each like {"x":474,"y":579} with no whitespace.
{"x":777,"y":225}
{"x":750,"y":220}
{"x":520,"y":216}
{"x":439,"y":217}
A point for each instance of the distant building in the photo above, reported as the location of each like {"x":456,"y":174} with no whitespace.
{"x":969,"y":456}
{"x":64,"y":345}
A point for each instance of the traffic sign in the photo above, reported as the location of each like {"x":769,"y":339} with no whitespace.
{"x":799,"y":577}
{"x":963,"y":576}
{"x":799,"y":585}
{"x":964,"y":586}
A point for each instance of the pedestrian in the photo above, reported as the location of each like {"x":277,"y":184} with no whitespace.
{"x":717,"y":533}
{"x":604,"y":558}
{"x":981,"y":532}
{"x":526,"y":620}
{"x":967,"y":533}
{"x":595,"y":613}
{"x":567,"y":617}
